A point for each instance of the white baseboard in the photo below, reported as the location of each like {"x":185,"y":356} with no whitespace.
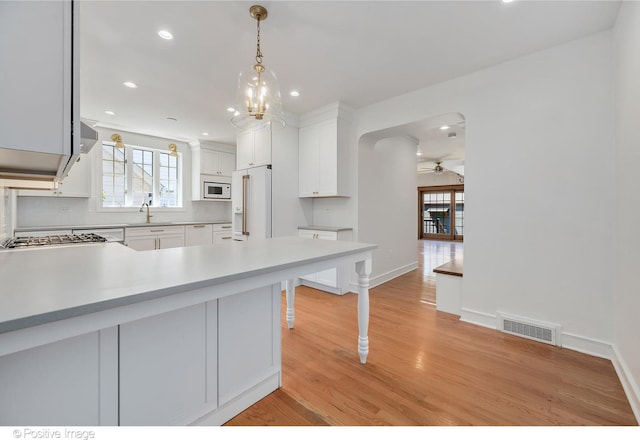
{"x":383,"y":278}
{"x":588,"y":346}
{"x":630,"y":386}
{"x":478,"y":318}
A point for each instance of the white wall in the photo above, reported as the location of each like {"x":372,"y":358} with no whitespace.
{"x":431,"y":179}
{"x":388,"y":205}
{"x":627,"y":159}
{"x":547,"y":120}
{"x":42,"y":211}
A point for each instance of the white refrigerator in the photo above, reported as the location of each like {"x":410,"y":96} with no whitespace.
{"x":251,"y":203}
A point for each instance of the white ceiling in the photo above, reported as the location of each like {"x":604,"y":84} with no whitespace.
{"x":356,"y":52}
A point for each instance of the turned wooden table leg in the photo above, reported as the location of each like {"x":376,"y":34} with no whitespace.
{"x":363,"y":268}
{"x":290,"y":296}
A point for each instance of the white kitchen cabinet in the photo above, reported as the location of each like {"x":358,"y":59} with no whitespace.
{"x":40,"y":83}
{"x":158,"y":237}
{"x":77,"y":182}
{"x":210,"y":163}
{"x":323,"y":160}
{"x":254,"y":148}
{"x":335,"y":280}
{"x":68,"y":382}
{"x":248,"y":349}
{"x":165,"y":376}
{"x":217,"y":163}
{"x":222,"y":233}
{"x":196,"y":235}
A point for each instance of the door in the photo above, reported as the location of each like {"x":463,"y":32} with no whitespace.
{"x":441,"y":211}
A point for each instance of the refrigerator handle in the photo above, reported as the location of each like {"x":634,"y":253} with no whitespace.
{"x":245,"y":182}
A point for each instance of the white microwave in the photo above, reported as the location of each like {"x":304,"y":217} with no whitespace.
{"x":216,"y":190}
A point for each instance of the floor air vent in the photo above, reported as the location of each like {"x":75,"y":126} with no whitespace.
{"x":543,"y":332}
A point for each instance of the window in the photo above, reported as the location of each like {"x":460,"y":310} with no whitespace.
{"x":442,"y":212}
{"x":133,"y":175}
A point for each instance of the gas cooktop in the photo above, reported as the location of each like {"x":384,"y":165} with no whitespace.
{"x":52,"y":240}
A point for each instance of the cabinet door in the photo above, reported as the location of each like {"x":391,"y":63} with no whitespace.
{"x":196,"y":235}
{"x":36,"y":81}
{"x":327,"y":161}
{"x":163,"y":367}
{"x":262,"y":146}
{"x":142,"y":243}
{"x":227,"y":163}
{"x":62,"y":384}
{"x":209,"y":162}
{"x":170,"y":241}
{"x":244,"y":150}
{"x":308,"y":161}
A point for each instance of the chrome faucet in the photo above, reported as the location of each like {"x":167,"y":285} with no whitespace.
{"x":148,"y":216}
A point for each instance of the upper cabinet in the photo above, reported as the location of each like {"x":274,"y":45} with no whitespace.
{"x":324,"y":157}
{"x":40,"y":101}
{"x":217,"y":163}
{"x":77,"y":182}
{"x":254,"y":148}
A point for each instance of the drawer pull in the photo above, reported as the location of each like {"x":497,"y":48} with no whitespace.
{"x":157,"y":230}
{"x":199,"y":226}
{"x":225,"y":227}
{"x":226,"y":238}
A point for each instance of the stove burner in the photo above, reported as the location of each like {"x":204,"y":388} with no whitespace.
{"x":53,"y":240}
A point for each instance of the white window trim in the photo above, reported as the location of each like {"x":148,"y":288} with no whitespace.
{"x":156,"y":171}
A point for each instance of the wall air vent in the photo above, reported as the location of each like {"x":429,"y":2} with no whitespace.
{"x":530,"y":329}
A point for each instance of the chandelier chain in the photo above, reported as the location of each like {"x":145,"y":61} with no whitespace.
{"x":258,"y":52}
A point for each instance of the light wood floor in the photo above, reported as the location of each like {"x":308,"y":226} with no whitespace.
{"x":428,"y":368}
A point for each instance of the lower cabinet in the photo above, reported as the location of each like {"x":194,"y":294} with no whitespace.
{"x":200,"y":364}
{"x":222,"y":233}
{"x":69,"y":383}
{"x":158,"y":237}
{"x":196,"y":235}
{"x":335,"y":280}
{"x":165,"y":374}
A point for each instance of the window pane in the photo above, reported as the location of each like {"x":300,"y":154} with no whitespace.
{"x":437,"y":216}
{"x":460,"y":213}
{"x":113,"y":176}
{"x":142,"y":177}
{"x":168,"y":180}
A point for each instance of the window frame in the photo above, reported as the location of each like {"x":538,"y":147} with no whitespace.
{"x":129,"y":180}
{"x":452,"y":189}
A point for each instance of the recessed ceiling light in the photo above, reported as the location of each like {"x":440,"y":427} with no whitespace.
{"x":205,"y":134}
{"x":507,"y":1}
{"x":166,"y":35}
{"x":231,"y":109}
{"x":172,"y":119}
{"x":418,"y":154}
{"x":445,"y":127}
{"x":294,"y":93}
{"x":130,"y":84}
{"x":109,"y":112}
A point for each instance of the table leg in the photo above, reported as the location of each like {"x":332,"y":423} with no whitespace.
{"x":363,"y":268}
{"x":290,"y":296}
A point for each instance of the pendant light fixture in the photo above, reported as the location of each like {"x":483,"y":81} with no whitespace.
{"x":115,"y":137}
{"x":258,"y":99}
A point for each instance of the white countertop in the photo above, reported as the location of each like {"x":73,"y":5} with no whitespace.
{"x":117,"y":225}
{"x":44,"y":285}
{"x":326,"y":228}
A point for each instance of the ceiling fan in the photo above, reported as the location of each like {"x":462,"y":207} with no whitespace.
{"x":438,"y":169}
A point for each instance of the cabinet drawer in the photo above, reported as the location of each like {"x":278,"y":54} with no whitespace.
{"x":154,"y":231}
{"x":222,"y":227}
{"x":320,"y":235}
{"x":222,"y":236}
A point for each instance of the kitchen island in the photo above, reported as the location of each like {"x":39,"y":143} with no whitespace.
{"x":103,"y":335}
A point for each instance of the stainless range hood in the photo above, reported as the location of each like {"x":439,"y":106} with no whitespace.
{"x":33,"y":170}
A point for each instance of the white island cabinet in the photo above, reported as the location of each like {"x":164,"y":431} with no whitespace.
{"x":181,"y":336}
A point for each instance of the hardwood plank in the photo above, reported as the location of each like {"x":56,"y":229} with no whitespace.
{"x":428,"y":368}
